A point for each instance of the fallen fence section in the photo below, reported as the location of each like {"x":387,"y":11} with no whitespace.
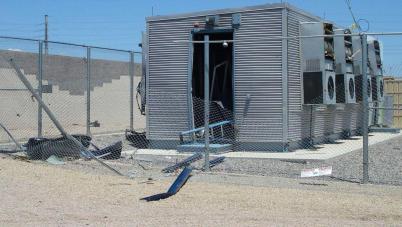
{"x":11,"y":137}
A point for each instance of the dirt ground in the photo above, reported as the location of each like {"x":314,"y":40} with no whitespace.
{"x":42,"y":195}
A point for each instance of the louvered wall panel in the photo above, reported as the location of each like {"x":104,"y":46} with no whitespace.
{"x":258,"y":74}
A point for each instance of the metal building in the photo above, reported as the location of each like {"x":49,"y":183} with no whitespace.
{"x":263,"y":88}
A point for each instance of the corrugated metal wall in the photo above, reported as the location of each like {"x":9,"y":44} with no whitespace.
{"x":258,"y":73}
{"x":324,"y":120}
{"x":258,"y":78}
{"x":167,"y":81}
{"x":297,"y":127}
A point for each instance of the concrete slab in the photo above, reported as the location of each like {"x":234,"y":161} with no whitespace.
{"x":323,"y":151}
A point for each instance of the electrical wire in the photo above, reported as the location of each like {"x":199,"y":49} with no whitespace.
{"x":356,"y":22}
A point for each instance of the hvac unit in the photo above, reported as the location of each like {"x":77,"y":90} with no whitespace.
{"x":369,"y":89}
{"x":374,"y":55}
{"x":350,"y":88}
{"x":358,"y":70}
{"x":318,"y":63}
{"x":375,"y":62}
{"x":345,"y":78}
{"x":359,"y":88}
{"x":372,"y":114}
{"x":380,"y":88}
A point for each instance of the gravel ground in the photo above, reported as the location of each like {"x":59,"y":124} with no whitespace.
{"x":385,"y":166}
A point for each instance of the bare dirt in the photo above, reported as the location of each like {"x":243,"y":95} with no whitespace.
{"x":35,"y":194}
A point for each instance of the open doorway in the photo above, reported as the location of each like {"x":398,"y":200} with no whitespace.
{"x":220,"y":77}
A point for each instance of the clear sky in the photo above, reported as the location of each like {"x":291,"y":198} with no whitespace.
{"x":118,"y":23}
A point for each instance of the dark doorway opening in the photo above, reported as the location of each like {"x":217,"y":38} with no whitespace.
{"x":220,"y":77}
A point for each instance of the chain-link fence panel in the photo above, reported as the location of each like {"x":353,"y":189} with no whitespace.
{"x":64,"y":82}
{"x":110,"y":91}
{"x":19,"y":111}
{"x":315,"y":130}
{"x":385,"y":156}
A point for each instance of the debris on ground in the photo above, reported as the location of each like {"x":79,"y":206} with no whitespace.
{"x":137,"y":139}
{"x":216,"y":161}
{"x":54,"y":160}
{"x":316,"y":172}
{"x":174,"y":188}
{"x":43,"y":148}
{"x":110,"y":152}
{"x":195,"y":157}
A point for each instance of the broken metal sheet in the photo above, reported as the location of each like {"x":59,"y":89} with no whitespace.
{"x":180,"y":180}
{"x":174,"y":188}
{"x":110,"y":152}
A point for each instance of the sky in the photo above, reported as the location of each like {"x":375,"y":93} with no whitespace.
{"x":119,"y":23}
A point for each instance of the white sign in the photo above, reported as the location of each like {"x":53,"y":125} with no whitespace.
{"x":323,"y":171}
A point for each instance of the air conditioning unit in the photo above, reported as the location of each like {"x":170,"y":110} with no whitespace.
{"x":369,"y":89}
{"x":358,"y":70}
{"x":359,"y":88}
{"x":345,"y":78}
{"x":372,"y":114}
{"x":319,"y":79}
{"x":375,"y":61}
{"x":350,"y":88}
{"x":380,"y":88}
{"x":374,"y":55}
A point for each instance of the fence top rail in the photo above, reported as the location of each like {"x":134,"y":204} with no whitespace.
{"x":71,"y":44}
{"x":295,"y":37}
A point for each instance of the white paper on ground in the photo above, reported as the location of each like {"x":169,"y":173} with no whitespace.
{"x":323,"y":171}
{"x":55,"y":160}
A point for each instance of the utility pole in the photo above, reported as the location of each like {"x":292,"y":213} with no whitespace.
{"x":46,"y":35}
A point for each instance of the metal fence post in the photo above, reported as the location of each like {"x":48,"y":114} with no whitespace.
{"x":206,"y":100}
{"x":132,"y":72}
{"x":88,"y":91}
{"x":40,"y":85}
{"x":365,"y":110}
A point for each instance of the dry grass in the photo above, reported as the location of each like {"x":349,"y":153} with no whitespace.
{"x":40,"y":195}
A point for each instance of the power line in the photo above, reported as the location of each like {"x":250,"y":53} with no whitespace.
{"x":348,"y":4}
{"x":357,"y":22}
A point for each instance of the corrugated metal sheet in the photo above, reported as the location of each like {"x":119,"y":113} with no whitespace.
{"x":167,"y":79}
{"x":168,"y":76}
{"x":297,"y":114}
{"x":258,"y":73}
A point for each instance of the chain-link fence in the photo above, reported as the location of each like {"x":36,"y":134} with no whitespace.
{"x":334,"y":119}
{"x":90,"y":91}
{"x":334,"y":123}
